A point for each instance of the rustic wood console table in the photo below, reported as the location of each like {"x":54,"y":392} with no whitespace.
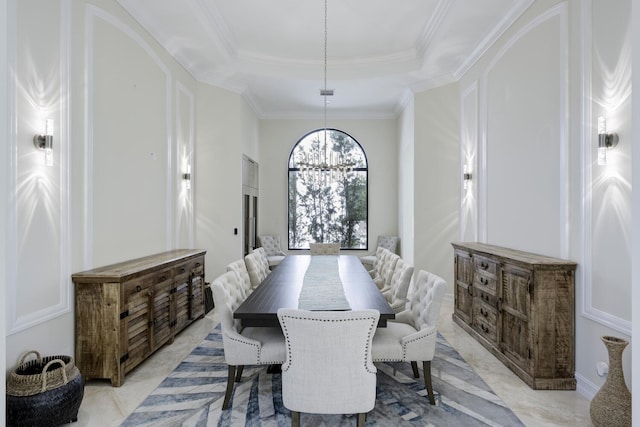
{"x":520,"y":306}
{"x":126,"y":311}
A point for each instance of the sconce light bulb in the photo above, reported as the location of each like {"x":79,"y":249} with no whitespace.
{"x":602,"y":125}
{"x":49,"y":127}
{"x":48,"y":156}
{"x":602,"y":156}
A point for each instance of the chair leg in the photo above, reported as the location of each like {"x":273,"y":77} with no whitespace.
{"x":426,"y":367}
{"x":295,"y":419}
{"x":231,"y":373}
{"x":239,"y":373}
{"x":414,"y":366}
{"x":362,"y":417}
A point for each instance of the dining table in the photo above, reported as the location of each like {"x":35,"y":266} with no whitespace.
{"x":300,"y":282}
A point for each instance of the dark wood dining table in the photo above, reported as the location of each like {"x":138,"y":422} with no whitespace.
{"x":281,"y":289}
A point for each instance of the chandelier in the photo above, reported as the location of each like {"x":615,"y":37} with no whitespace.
{"x":321,"y":167}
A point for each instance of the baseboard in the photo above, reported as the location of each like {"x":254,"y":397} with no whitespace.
{"x":585,"y":388}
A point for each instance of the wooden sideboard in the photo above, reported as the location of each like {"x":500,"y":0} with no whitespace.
{"x":126,"y":311}
{"x":520,"y":306}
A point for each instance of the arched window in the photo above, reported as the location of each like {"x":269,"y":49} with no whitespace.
{"x":328,"y":191}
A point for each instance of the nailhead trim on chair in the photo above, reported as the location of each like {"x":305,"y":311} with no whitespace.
{"x":369,"y":336}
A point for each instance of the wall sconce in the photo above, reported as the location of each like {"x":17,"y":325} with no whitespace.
{"x":45,"y":142}
{"x":605,"y":140}
{"x":466,"y":177}
{"x":187,"y":177}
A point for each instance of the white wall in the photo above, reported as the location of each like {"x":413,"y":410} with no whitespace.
{"x":437,"y":180}
{"x":406,"y":183}
{"x":536,"y":186}
{"x":378,"y":138}
{"x":219,"y":177}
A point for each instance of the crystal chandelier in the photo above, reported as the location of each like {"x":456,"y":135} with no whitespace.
{"x":320,"y":166}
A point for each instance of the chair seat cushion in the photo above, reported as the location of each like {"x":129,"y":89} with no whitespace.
{"x":272,"y":340}
{"x":368,"y":260}
{"x":274,"y":260}
{"x":387,"y":342}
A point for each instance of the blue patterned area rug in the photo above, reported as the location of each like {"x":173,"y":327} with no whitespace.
{"x":192,"y":395}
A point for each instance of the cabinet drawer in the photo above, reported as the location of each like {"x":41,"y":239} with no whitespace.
{"x":162,"y":276}
{"x":485,"y":298}
{"x":484,"y":328}
{"x":486,"y":313}
{"x":136,"y":285}
{"x":197,"y":265}
{"x":485,"y":282}
{"x":182,"y":270}
{"x":485,"y":265}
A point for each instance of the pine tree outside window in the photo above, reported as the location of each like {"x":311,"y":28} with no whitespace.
{"x":328,"y":205}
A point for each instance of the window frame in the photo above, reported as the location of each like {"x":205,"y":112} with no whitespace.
{"x":358,"y":169}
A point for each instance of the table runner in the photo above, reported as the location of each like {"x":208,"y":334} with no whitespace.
{"x":322,"y":286}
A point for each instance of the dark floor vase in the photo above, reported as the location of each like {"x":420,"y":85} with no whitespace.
{"x":611,"y":406}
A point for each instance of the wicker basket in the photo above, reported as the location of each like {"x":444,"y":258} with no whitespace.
{"x":44,"y":392}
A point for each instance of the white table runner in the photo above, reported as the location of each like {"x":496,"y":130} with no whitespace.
{"x":322,"y":287}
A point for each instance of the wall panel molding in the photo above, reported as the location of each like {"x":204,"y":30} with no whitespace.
{"x":186,"y":201}
{"x":559,"y":11}
{"x":587,"y":308}
{"x":15,"y":322}
{"x":91,"y":14}
{"x":469,"y":155}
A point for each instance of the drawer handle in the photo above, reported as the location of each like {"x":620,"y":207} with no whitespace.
{"x":163,"y":278}
{"x":138,"y":288}
{"x":198,"y":264}
{"x":484,"y":312}
{"x":182,"y":270}
{"x":483,"y":281}
{"x":484,"y":328}
{"x":499,"y":305}
{"x":484,"y":265}
{"x":485,"y":297}
{"x":470,"y":290}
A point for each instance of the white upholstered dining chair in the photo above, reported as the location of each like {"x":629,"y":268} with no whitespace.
{"x":328,"y":367}
{"x":396,"y":292}
{"x":240,"y":269}
{"x":411,"y":336}
{"x":248,"y":346}
{"x":324,"y":248}
{"x":384,"y":268}
{"x":257,"y":266}
{"x":271,"y":245}
{"x":388,"y":242}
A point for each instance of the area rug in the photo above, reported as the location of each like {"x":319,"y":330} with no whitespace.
{"x":192,"y":395}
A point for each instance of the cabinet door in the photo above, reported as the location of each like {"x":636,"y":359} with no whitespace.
{"x":136,"y":321}
{"x":181,"y":296}
{"x":196,"y":291}
{"x":463,"y":286}
{"x":162,"y":310}
{"x":515,"y":333}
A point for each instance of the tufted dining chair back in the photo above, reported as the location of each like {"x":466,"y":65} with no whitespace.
{"x":426,"y":300}
{"x":387,"y":242}
{"x":396,"y":294}
{"x":328,"y":367}
{"x":384,"y":268}
{"x":273,"y":252}
{"x":244,"y":281}
{"x":324,"y":248}
{"x":257,"y":267}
